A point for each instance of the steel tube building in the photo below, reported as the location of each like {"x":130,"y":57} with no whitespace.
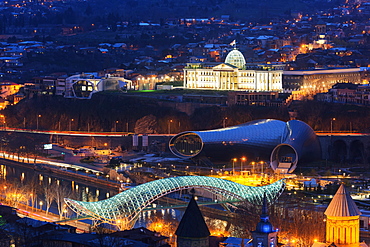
{"x":284,"y":143}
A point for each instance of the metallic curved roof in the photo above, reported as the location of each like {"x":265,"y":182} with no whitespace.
{"x":293,"y":139}
{"x":342,"y":205}
{"x":128,"y":204}
{"x":256,"y":133}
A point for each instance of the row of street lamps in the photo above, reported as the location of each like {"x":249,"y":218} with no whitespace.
{"x":38,"y":123}
{"x":243,"y":160}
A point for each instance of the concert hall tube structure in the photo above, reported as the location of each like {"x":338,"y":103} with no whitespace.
{"x":284,"y":143}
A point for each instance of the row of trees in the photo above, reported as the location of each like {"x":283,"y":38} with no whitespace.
{"x":294,"y":223}
{"x":36,"y":194}
{"x":109,"y":112}
{"x":20,"y":147}
{"x":292,"y":217}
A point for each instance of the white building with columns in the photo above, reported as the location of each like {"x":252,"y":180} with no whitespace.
{"x":232,"y":75}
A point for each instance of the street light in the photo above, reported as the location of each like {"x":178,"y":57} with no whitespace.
{"x":70,"y":124}
{"x":37,"y":121}
{"x":331,"y":125}
{"x":262,"y":164}
{"x":234,"y":160}
{"x":243,"y":159}
{"x":40,"y":203}
{"x":115,"y":126}
{"x":253,"y":163}
{"x":169,"y":126}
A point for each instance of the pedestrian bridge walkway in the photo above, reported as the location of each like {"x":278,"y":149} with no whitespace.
{"x":124,"y":208}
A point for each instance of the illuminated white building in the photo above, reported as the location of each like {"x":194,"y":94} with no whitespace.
{"x":232,"y":75}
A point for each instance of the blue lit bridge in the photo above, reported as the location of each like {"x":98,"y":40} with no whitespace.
{"x":124,"y":208}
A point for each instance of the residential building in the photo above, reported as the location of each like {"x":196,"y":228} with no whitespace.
{"x":347,"y":93}
{"x":8,"y":88}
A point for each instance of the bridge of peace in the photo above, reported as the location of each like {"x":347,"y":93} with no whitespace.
{"x":124,"y":208}
{"x":293,"y":139}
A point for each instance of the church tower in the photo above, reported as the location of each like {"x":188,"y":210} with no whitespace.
{"x":264,"y":235}
{"x":192,"y":230}
{"x":343,"y":220}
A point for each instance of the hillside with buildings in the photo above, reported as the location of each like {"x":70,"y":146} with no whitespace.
{"x":152,"y":113}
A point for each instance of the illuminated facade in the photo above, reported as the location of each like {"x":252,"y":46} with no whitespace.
{"x":343,"y":222}
{"x":311,"y":82}
{"x":285,"y":143}
{"x":231,"y":75}
{"x":127,"y":205}
{"x":8,"y":88}
{"x":83,"y":86}
{"x":152,"y":81}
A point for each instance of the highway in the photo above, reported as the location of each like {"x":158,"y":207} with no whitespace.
{"x":65,"y":165}
{"x":81,"y":177}
{"x":77,"y":133}
{"x":121,"y":134}
{"x":341,"y":134}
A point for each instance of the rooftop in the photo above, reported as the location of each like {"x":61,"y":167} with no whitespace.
{"x":342,"y":205}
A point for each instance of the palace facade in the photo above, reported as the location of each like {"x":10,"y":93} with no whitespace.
{"x":232,"y":75}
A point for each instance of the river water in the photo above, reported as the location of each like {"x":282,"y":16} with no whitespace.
{"x":23,"y":178}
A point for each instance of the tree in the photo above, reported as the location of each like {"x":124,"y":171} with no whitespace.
{"x":49,"y":196}
{"x":60,"y":192}
{"x":147,"y":124}
{"x":32,"y":189}
{"x":15,"y":194}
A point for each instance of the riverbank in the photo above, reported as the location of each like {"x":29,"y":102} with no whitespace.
{"x":78,"y":176}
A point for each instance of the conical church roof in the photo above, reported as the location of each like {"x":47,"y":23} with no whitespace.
{"x":342,"y":205}
{"x":192,"y":224}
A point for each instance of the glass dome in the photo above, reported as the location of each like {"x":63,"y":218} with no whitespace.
{"x":235,"y":58}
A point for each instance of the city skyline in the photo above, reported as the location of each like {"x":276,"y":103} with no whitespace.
{"x":168,"y":123}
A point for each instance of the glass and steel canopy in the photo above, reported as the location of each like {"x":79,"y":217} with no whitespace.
{"x":128,"y":204}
